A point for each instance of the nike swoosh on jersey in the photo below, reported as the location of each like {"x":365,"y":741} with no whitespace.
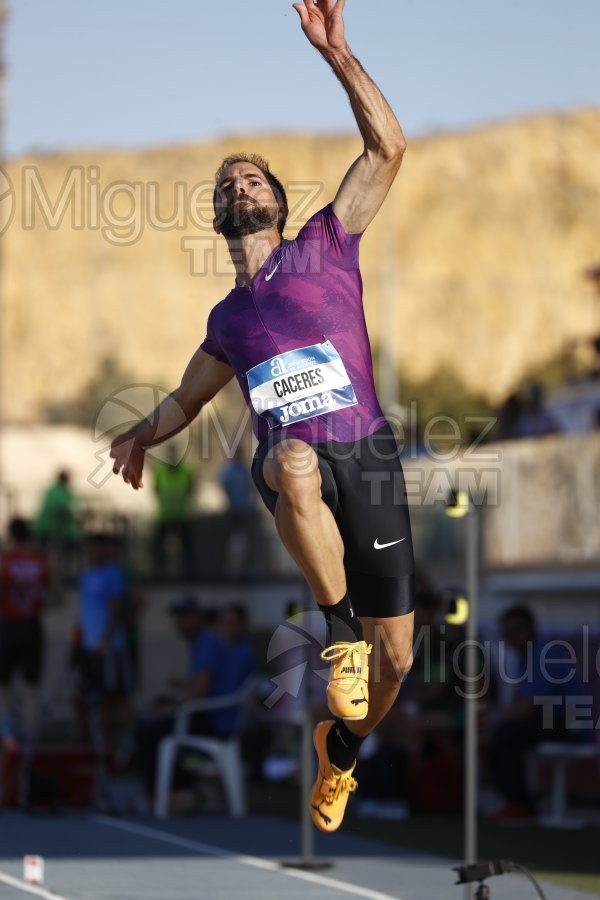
{"x":269,"y":275}
{"x":379,"y":546}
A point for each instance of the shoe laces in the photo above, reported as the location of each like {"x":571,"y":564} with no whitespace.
{"x":344,"y":651}
{"x":340,"y":784}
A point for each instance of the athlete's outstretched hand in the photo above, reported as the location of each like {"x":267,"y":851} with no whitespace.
{"x":128,"y":455}
{"x":323,"y":23}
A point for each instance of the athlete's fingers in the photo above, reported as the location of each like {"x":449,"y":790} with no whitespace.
{"x":327,"y":6}
{"x":130,"y":477}
{"x":301,"y":10}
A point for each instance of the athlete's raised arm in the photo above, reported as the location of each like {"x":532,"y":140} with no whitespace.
{"x":370,"y":177}
{"x":203,"y":378}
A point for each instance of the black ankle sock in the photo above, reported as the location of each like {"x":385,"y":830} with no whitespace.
{"x":342,"y":745}
{"x":342,"y":624}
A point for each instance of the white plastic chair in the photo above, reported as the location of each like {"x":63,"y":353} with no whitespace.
{"x":561,"y":754}
{"x":224,"y":753}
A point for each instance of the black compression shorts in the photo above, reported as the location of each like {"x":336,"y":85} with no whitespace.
{"x":363,"y":485}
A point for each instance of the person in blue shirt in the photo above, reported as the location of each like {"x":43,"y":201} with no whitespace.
{"x":103,"y":658}
{"x":239,"y":664}
{"x":545,"y":689}
{"x":237,"y":484}
{"x":101,"y":587}
{"x":219,"y":663}
{"x":206,"y":653}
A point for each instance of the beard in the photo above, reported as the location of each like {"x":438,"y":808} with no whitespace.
{"x":240,"y":219}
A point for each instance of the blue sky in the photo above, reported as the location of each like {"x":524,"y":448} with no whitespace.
{"x":142,"y":73}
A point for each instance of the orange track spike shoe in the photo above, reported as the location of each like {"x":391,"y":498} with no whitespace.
{"x":330,"y":792}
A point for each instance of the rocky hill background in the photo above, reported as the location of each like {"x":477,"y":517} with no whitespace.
{"x":474,"y":266}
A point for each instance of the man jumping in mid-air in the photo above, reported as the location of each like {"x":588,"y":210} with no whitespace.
{"x":293,"y":333}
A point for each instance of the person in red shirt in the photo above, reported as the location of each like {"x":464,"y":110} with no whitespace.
{"x":25,"y":585}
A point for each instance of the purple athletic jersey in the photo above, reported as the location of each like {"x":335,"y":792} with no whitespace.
{"x":297,"y":340}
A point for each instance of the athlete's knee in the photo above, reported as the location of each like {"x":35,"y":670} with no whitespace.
{"x":293,"y":471}
{"x":404,"y":665}
{"x":392,"y":668}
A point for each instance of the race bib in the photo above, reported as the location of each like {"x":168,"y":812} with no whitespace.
{"x":300,"y":384}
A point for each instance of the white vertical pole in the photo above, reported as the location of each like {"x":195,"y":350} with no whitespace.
{"x":307,"y":761}
{"x":471,"y":699}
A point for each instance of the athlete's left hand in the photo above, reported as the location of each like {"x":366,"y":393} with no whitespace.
{"x":323,"y":23}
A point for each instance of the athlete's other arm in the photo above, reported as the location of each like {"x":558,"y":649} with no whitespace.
{"x":370,"y":177}
{"x":203,"y":378}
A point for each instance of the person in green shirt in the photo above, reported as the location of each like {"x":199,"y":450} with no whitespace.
{"x":57,"y":527}
{"x":175,"y":488}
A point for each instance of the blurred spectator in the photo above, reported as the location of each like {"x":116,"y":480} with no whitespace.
{"x":508,"y":418}
{"x":239,"y":663}
{"x":175,"y":488}
{"x":534,"y":420}
{"x":25,"y":588}
{"x":417,"y":757}
{"x":524,"y":415}
{"x":220,"y":660}
{"x":236,"y":481}
{"x":57,"y":526}
{"x":429,"y":697}
{"x":132,"y":604}
{"x":102,"y":660}
{"x":541,"y":707}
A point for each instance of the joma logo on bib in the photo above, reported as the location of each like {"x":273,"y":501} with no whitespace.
{"x":300,"y":384}
{"x":304,"y":409}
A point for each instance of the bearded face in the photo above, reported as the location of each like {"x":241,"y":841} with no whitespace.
{"x":242,"y":216}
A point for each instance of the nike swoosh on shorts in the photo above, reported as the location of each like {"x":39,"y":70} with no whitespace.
{"x":379,"y":546}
